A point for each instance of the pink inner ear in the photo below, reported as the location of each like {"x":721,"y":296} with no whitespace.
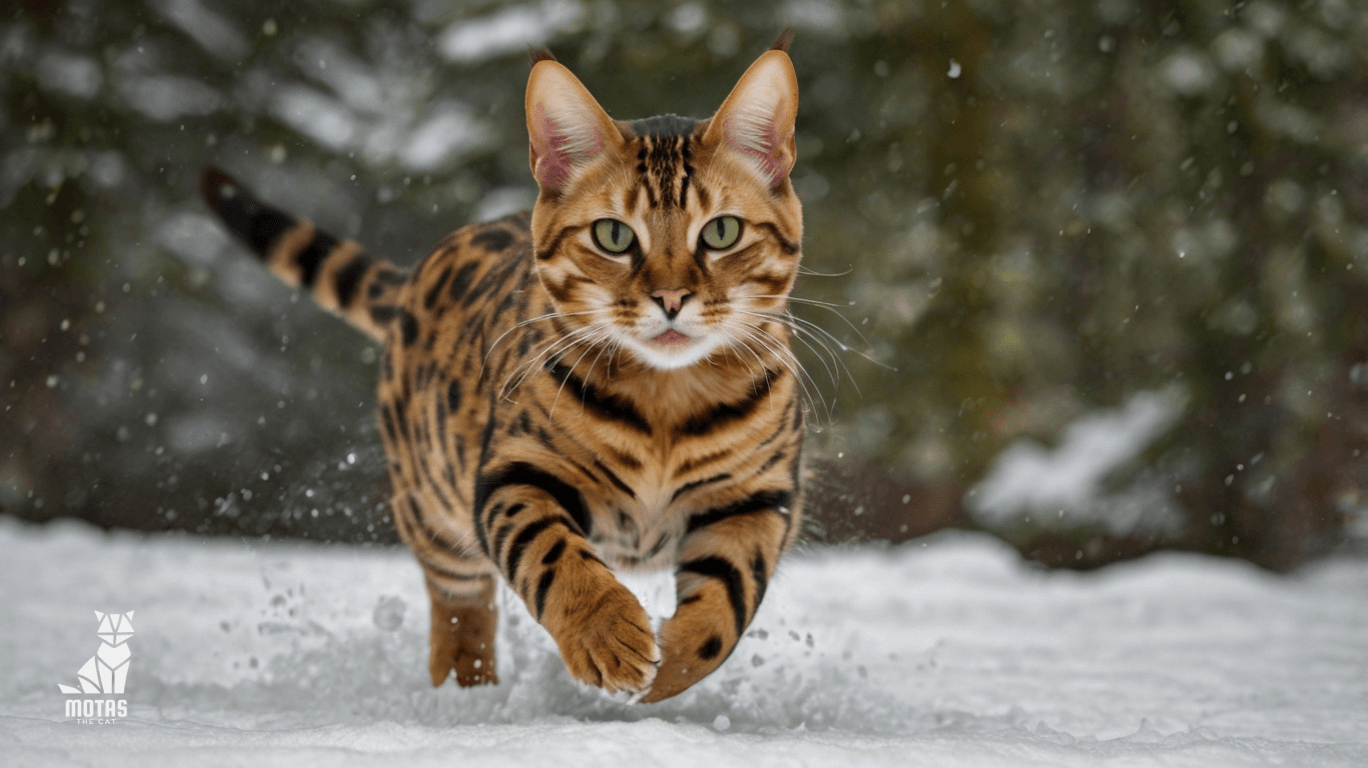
{"x":556,"y":153}
{"x":765,"y":146}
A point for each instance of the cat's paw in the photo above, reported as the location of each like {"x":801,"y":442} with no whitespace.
{"x":693,"y":646}
{"x":463,"y":640}
{"x":611,"y":645}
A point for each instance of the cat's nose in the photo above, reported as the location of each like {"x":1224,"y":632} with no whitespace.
{"x":671,"y":300}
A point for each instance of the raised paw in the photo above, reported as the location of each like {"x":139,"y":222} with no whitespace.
{"x":693,"y":646}
{"x":462,"y":639}
{"x":610,"y":644}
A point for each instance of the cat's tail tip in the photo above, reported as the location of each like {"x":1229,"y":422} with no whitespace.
{"x":784,"y":40}
{"x":217,"y":186}
{"x":239,"y":210}
{"x":538,"y":55}
{"x":339,"y":274}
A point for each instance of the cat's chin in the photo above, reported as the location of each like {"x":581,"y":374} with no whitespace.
{"x":670,"y":353}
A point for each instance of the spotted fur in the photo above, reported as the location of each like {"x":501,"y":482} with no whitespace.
{"x":552,"y":411}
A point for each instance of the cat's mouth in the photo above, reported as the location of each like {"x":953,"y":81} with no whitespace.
{"x":671,"y":349}
{"x":671,"y":338}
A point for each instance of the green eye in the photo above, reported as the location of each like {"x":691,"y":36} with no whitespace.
{"x":721,"y":233}
{"x":613,"y":236}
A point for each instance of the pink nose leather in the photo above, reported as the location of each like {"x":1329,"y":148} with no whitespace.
{"x":671,"y":298}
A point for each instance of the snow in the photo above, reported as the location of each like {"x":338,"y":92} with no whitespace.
{"x":819,"y":16}
{"x":69,"y":73}
{"x":1238,"y":49}
{"x":213,"y":32}
{"x":320,"y":117}
{"x":503,"y":201}
{"x":370,"y":116}
{"x":1188,"y":72}
{"x":450,"y":129}
{"x":470,"y":41}
{"x":166,"y":97}
{"x":1063,"y":486}
{"x":944,"y":652}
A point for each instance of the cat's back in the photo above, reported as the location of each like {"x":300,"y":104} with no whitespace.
{"x":474,"y":273}
{"x":474,"y":289}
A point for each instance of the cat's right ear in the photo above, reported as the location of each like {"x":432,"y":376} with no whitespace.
{"x":755,"y":123}
{"x":566,"y":127}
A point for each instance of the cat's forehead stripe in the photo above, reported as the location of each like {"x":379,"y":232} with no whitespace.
{"x":663,"y":163}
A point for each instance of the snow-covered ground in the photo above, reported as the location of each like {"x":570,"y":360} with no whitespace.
{"x":944,"y":652}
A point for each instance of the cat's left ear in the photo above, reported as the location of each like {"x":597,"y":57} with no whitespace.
{"x":756,"y":120}
{"x":566,"y":127}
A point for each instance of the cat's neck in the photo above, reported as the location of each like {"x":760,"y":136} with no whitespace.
{"x":662,"y":395}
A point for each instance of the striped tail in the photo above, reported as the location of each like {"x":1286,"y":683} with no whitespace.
{"x":342,"y":278}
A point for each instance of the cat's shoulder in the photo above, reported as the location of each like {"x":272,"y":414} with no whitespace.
{"x":474,"y":263}
{"x":505,"y":236}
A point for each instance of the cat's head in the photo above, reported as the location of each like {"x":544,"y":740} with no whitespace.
{"x":668,"y":237}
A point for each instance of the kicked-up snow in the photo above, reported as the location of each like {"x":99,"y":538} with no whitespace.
{"x":944,"y":652}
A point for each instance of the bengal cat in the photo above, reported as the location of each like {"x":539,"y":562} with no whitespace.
{"x":603,"y":382}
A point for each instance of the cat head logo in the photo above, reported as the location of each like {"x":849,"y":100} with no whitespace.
{"x":106,"y":671}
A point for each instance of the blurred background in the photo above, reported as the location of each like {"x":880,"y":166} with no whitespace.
{"x":1092,"y":276}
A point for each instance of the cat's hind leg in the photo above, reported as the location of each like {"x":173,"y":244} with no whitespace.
{"x":460,"y":584}
{"x":465,"y":619}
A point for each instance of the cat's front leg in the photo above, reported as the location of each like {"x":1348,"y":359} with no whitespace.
{"x":726,"y":560}
{"x":533,"y":525}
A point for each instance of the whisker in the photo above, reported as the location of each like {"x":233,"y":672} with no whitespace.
{"x":538,"y":363}
{"x":566,"y":380}
{"x":558,"y":347}
{"x":807,"y":379}
{"x":835,"y":310}
{"x":802,"y":270}
{"x":602,"y":349}
{"x":787,"y":316}
{"x":798,"y":299}
{"x":528,"y":321}
{"x":844,"y":347}
{"x":831,"y":373}
{"x":802,"y":335}
{"x":733,"y":343}
{"x":835,"y":378}
{"x":484,"y":363}
{"x":785,"y":356}
{"x":554,"y":346}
